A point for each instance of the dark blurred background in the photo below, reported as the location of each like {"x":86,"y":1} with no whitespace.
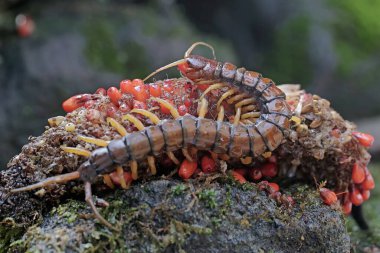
{"x":51,"y":50}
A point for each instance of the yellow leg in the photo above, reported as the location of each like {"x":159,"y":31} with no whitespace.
{"x":119,"y":128}
{"x":135,"y":121}
{"x":244,"y":102}
{"x":152,"y":165}
{"x":246,"y":160}
{"x":224,"y":96}
{"x":212,"y":87}
{"x":120,"y":175}
{"x":155,"y":120}
{"x":77,"y":151}
{"x":108,"y":181}
{"x":186,"y":153}
{"x":203,"y":108}
{"x":172,"y":157}
{"x":248,"y":108}
{"x":134,"y":168}
{"x":236,"y":98}
{"x":237,"y":116}
{"x":96,"y":141}
{"x":221,"y":114}
{"x":173,"y":111}
{"x":250,"y":115}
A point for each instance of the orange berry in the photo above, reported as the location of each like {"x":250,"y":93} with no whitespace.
{"x":356,"y":197}
{"x":114,"y":94}
{"x":364,"y":139}
{"x":187,"y":169}
{"x":368,"y":183}
{"x":242,"y":171}
{"x":358,"y":174}
{"x":328,"y":197}
{"x":140,"y":93}
{"x":238,"y":177}
{"x":155,"y":90}
{"x":274,"y":186}
{"x":75,"y":102}
{"x":101,"y":91}
{"x":366,"y":194}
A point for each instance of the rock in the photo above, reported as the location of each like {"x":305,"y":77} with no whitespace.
{"x":195,"y":216}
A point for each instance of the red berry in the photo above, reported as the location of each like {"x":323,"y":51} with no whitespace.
{"x":255,"y":174}
{"x":101,"y":91}
{"x":238,"y":177}
{"x":269,"y":170}
{"x":274,"y":186}
{"x":187,"y":169}
{"x":24,"y":25}
{"x":364,"y":139}
{"x":328,"y":197}
{"x":155,"y":90}
{"x":111,"y":110}
{"x":114,"y":94}
{"x":187,"y":102}
{"x":347,"y":207}
{"x":124,"y":107}
{"x":368,"y":183}
{"x":356,"y":197}
{"x":358,"y":174}
{"x":208,"y":164}
{"x":182,"y":110}
{"x":75,"y":102}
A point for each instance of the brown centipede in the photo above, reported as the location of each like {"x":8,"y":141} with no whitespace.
{"x":235,"y":140}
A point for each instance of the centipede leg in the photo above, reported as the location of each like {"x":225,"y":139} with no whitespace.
{"x":108,"y":181}
{"x":120,"y":174}
{"x":90,"y":201}
{"x":134,"y":170}
{"x":224,"y":96}
{"x":202,"y":108}
{"x":77,"y":151}
{"x":212,"y":87}
{"x":119,"y":128}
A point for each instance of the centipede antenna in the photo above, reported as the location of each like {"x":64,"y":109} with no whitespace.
{"x":173,"y":64}
{"x":90,"y":202}
{"x":191,"y":48}
{"x":48,"y":181}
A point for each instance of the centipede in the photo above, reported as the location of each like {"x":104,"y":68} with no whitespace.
{"x":237,"y":115}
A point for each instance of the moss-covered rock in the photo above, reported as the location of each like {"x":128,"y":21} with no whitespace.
{"x":197,"y":215}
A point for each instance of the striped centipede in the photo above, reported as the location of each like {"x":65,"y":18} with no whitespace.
{"x":235,"y":140}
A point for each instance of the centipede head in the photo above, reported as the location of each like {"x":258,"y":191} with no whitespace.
{"x":193,"y":66}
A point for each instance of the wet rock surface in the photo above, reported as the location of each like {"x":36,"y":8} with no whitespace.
{"x":199,"y":215}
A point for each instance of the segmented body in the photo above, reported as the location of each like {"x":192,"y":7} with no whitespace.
{"x":205,"y":134}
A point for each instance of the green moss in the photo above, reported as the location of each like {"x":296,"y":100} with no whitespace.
{"x":208,"y":196}
{"x":10,"y":232}
{"x":178,"y":189}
